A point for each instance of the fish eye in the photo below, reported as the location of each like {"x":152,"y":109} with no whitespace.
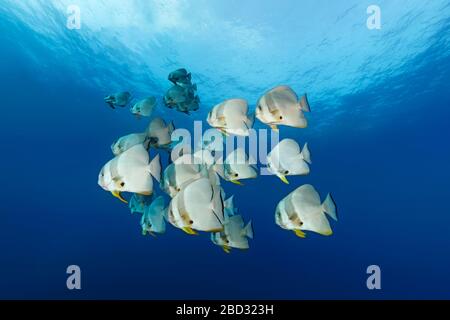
{"x":301,"y":223}
{"x":236,"y":175}
{"x":281,"y":117}
{"x":191,"y":222}
{"x":122,"y":184}
{"x":286,"y":172}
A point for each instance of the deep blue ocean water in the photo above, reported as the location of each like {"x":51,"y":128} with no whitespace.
{"x":379,"y":135}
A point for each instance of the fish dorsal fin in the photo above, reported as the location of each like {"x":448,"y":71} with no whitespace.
{"x":283,"y":153}
{"x":238,"y":106}
{"x":306,"y":196}
{"x":157,"y":124}
{"x":237,"y":156}
{"x":137,"y":153}
{"x":283,"y":95}
{"x":289,"y":148}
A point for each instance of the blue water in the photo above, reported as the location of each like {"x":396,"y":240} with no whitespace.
{"x":378,"y":133}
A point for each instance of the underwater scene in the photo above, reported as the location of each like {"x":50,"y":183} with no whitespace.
{"x":211,"y":149}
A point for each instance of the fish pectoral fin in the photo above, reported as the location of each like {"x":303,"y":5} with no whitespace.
{"x":189,"y":231}
{"x":284,"y":179}
{"x":300,"y":233}
{"x":117,"y":195}
{"x":274,"y":127}
{"x":227,"y":249}
{"x":237,"y":182}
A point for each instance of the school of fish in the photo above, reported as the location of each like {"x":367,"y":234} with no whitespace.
{"x":188,"y":192}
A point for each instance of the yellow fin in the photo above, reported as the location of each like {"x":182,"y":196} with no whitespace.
{"x":117,"y":195}
{"x":227,"y":249}
{"x":225,"y":134}
{"x":284,"y":179}
{"x":237,"y":182}
{"x":274,"y":127}
{"x":300,"y":233}
{"x":189,"y":230}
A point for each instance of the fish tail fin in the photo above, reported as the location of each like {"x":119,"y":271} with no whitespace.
{"x":155,"y":168}
{"x":248,"y":230}
{"x":304,"y":104}
{"x":306,"y":154}
{"x":329,"y":206}
{"x":229,"y":204}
